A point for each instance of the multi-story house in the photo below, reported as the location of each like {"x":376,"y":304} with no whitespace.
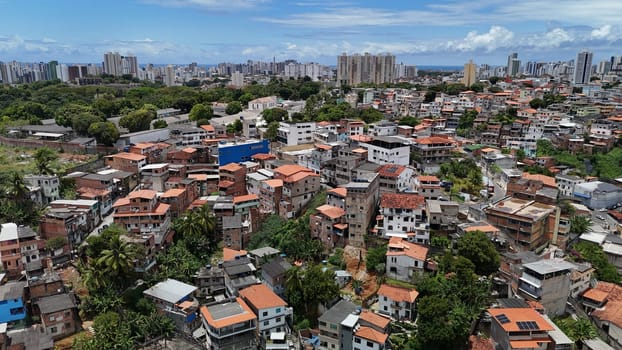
{"x":388,"y":150}
{"x":328,"y":224}
{"x":59,"y":315}
{"x":528,"y":223}
{"x":239,"y":274}
{"x":124,"y":161}
{"x":361,"y":202}
{"x":442,"y":215}
{"x":367,"y":338}
{"x":103,"y":197}
{"x":230,"y":325}
{"x":547,"y":282}
{"x":430,"y":152}
{"x":49,"y":185}
{"x":12,"y":306}
{"x":603,"y":303}
{"x":330,"y":325}
{"x":531,"y":189}
{"x":188,"y":135}
{"x":232,"y":179}
{"x":397,"y":302}
{"x":395,"y":178}
{"x":154,"y":176}
{"x":404,"y":259}
{"x":300,"y":184}
{"x":270,"y":195}
{"x":70,"y":224}
{"x":270,"y":309}
{"x":337,"y":197}
{"x":428,"y":186}
{"x":247,"y":208}
{"x":19,"y":250}
{"x":90,"y":207}
{"x":210,"y":281}
{"x":598,"y":194}
{"x":403,"y":215}
{"x":292,"y":134}
{"x":519,"y":328}
{"x":273,"y":273}
{"x":174,"y":299}
{"x":141,"y":213}
{"x":566,"y":184}
{"x":253,"y":182}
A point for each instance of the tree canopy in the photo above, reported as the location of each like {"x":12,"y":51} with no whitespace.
{"x":478,"y":248}
{"x":138,"y":120}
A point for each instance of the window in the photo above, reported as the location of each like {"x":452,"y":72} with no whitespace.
{"x":370,"y":344}
{"x":357,"y":340}
{"x":333,"y":326}
{"x":53,"y":330}
{"x":278,"y":319}
{"x":278,"y":310}
{"x":265,"y":313}
{"x":52,"y":318}
{"x":265,"y":323}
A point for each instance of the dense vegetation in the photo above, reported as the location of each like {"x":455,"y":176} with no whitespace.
{"x":592,"y":253}
{"x":465,"y":175}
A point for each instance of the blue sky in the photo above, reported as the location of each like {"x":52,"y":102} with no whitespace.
{"x":441,"y":32}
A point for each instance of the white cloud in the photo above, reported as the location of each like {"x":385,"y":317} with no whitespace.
{"x":495,"y":38}
{"x":604,"y":32}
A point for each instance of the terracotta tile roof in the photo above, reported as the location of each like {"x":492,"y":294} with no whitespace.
{"x":263,"y":156}
{"x":339,"y":191}
{"x":208,"y":127}
{"x":340,"y":226}
{"x":483,"y":228}
{"x":361,"y":138}
{"x":391,"y":170}
{"x":433,"y":139}
{"x":245,"y":198}
{"x":173,"y":192}
{"x":274,"y":183}
{"x":399,"y":247}
{"x":143,"y":145}
{"x":323,"y":146}
{"x":229,"y":254}
{"x":225,"y":183}
{"x":289,"y":170}
{"x":299,"y":176}
{"x":331,"y":211}
{"x":546,"y":180}
{"x":147,"y":194}
{"x":232,"y":167}
{"x":515,"y":315}
{"x":528,"y":344}
{"x":160,"y":209}
{"x":428,"y":178}
{"x":246,"y":314}
{"x":612,"y":311}
{"x":189,"y":150}
{"x":401,"y":200}
{"x":371,"y":334}
{"x":200,"y":177}
{"x":359,"y":150}
{"x":374,"y":318}
{"x":261,"y":297}
{"x":128,"y":156}
{"x":324,"y":123}
{"x":121,"y":202}
{"x":398,"y":293}
{"x":596,"y":295}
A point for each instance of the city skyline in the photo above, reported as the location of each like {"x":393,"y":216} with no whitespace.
{"x":422,"y":33}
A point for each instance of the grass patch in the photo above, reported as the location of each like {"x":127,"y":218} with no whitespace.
{"x":398,"y":283}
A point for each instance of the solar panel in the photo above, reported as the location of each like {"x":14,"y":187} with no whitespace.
{"x":527,"y":325}
{"x":502,"y":318}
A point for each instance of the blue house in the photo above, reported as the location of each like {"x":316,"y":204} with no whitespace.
{"x":12,"y":302}
{"x":237,"y":152}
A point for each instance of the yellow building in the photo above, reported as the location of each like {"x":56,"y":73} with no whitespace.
{"x":469,"y":74}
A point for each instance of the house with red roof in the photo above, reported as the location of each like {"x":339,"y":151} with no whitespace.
{"x":397,"y":302}
{"x":329,"y":225}
{"x":404,"y":259}
{"x":141,"y":213}
{"x":270,"y":309}
{"x":395,"y":178}
{"x":520,"y":328}
{"x":229,"y":325}
{"x":403,"y":215}
{"x":300,"y":184}
{"x":431,"y":151}
{"x":232,"y":179}
{"x":428,"y":186}
{"x":130,"y":162}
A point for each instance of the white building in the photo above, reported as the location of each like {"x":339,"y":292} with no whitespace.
{"x":403,"y":215}
{"x":49,"y":185}
{"x":292,"y":134}
{"x":237,"y":79}
{"x":598,"y":194}
{"x":270,"y":309}
{"x":169,"y":75}
{"x":567,"y":183}
{"x":404,"y":259}
{"x":388,"y":150}
{"x":259,"y":104}
{"x":397,"y":302}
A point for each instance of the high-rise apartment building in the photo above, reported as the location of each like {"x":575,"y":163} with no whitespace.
{"x":470,"y":74}
{"x":582,"y":68}
{"x":616,"y":64}
{"x":603,"y":67}
{"x":169,"y":75}
{"x":113,"y":64}
{"x":513,"y":65}
{"x":356,"y":69}
{"x":129,"y":65}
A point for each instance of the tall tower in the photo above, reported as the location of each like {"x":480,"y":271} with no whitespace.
{"x":169,"y":77}
{"x":582,"y":68}
{"x":513,"y":65}
{"x":112,"y":64}
{"x":469,"y":74}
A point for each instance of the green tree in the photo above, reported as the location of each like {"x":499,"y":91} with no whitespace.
{"x":408,"y":120}
{"x":137,"y":120}
{"x":605,"y":271}
{"x":65,"y":115}
{"x":233,"y":108}
{"x":376,"y":257}
{"x":478,"y":248}
{"x":235,"y":127}
{"x":198,"y":222}
{"x":160,"y":124}
{"x":55,"y":243}
{"x":272,"y":131}
{"x":201,"y":111}
{"x":306,"y":289}
{"x":105,"y":133}
{"x":577,"y":330}
{"x":274,"y":115}
{"x":80,"y":123}
{"x":118,"y":259}
{"x":44,"y":157}
{"x":580,"y":224}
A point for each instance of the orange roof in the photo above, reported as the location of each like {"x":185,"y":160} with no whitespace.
{"x":291,"y":169}
{"x":245,"y":198}
{"x":261,"y":297}
{"x":340,"y":191}
{"x":528,"y":344}
{"x":147,"y":194}
{"x":129,"y":156}
{"x":229,"y":254}
{"x":225,"y":183}
{"x":398,"y":293}
{"x":391,"y":170}
{"x":185,"y":304}
{"x":361,"y":138}
{"x":515,"y":315}
{"x":374,"y":318}
{"x":189,"y":150}
{"x":371,"y":334}
{"x":488,"y":150}
{"x":401,"y":247}
{"x":200,"y":177}
{"x":340,"y":226}
{"x":359,"y":150}
{"x":274,"y":182}
{"x":483,"y":228}
{"x":246,"y":314}
{"x":142,"y":145}
{"x":121,"y":202}
{"x":433,"y":139}
{"x":173,"y":192}
{"x":596,"y":295}
{"x":324,"y":123}
{"x":323,"y":146}
{"x":546,"y":180}
{"x":402,"y":200}
{"x":299,"y":176}
{"x":232,"y":167}
{"x":428,"y":178}
{"x":331,"y":211}
{"x":208,"y":127}
{"x":160,"y":209}
{"x":612,"y":311}
{"x":263,"y":156}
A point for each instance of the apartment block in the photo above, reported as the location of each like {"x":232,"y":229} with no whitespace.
{"x":388,"y":150}
{"x":19,"y":250}
{"x":232,"y":179}
{"x":403,"y":215}
{"x":397,"y":302}
{"x":292,"y":134}
{"x":430,"y":152}
{"x":48,"y":184}
{"x":328,"y":224}
{"x":395,"y":178}
{"x":547,"y":282}
{"x":300,"y":184}
{"x":404,"y":259}
{"x":428,"y":186}
{"x":361,"y":202}
{"x":125,"y":161}
{"x":141,"y":213}
{"x":270,"y":309}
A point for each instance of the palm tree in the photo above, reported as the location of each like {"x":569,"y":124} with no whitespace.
{"x":15,"y":187}
{"x":119,"y":258}
{"x":43,"y":158}
{"x":198,"y":222}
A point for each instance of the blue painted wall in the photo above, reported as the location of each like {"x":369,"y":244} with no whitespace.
{"x":12,"y":310}
{"x":242,"y":152}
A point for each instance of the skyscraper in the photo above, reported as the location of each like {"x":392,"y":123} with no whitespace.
{"x":169,"y":76}
{"x":470,"y":75}
{"x":357,"y":69}
{"x":129,"y":65}
{"x":513,"y":65}
{"x":113,"y":64}
{"x":582,"y":68}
